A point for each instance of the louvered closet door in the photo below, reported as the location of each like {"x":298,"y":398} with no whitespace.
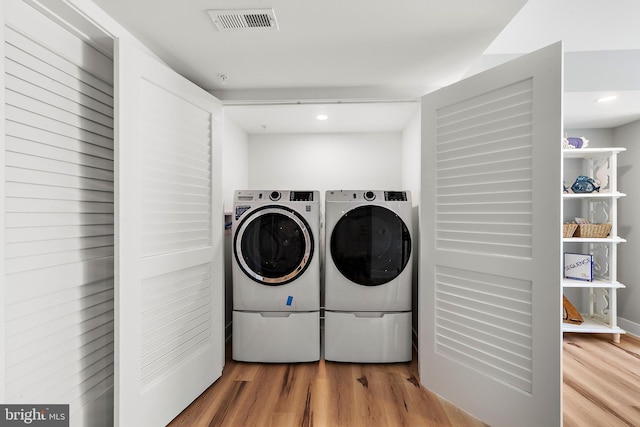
{"x":169,"y":228}
{"x":59,"y":211}
{"x":489,"y":295}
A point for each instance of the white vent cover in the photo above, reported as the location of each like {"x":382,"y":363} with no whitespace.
{"x":244,"y":19}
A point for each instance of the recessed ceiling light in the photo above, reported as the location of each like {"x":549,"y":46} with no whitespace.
{"x":322,"y":117}
{"x":607,"y":98}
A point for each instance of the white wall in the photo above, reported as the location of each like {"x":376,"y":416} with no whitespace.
{"x":325,"y":161}
{"x":235,"y":155}
{"x":628,"y":136}
{"x":411,"y":157}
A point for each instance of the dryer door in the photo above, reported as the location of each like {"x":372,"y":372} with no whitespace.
{"x":273,"y":245}
{"x":370,"y":245}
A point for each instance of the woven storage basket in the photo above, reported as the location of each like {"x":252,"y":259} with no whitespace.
{"x":568,"y":229}
{"x":592,"y":230}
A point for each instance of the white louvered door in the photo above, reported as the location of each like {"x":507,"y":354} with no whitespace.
{"x":489,"y":293}
{"x":169,"y":232}
{"x":58,"y":219}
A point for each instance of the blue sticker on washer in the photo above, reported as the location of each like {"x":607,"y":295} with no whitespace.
{"x":289,"y":300}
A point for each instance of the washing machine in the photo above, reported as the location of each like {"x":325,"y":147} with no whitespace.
{"x":368,"y":275}
{"x":276,"y":276}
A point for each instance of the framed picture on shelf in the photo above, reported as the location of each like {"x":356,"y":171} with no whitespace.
{"x":578,"y":266}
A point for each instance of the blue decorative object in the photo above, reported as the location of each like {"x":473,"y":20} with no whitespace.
{"x":584,"y":184}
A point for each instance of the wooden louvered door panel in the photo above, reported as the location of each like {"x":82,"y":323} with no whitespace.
{"x":169,"y":228}
{"x":59,"y":212}
{"x":490,"y":272}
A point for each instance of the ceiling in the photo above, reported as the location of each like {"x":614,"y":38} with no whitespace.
{"x":365,"y":63}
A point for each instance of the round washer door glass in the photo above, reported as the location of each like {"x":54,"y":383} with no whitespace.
{"x":370,"y":245}
{"x":273,"y":245}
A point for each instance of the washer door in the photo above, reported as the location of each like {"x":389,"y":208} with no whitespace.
{"x":273,"y":245}
{"x":370,"y":245}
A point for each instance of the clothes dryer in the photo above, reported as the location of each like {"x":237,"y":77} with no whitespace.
{"x":368,"y":276}
{"x":276,"y":276}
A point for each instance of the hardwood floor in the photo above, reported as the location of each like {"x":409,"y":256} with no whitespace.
{"x":601,"y":381}
{"x":601,"y":388}
{"x":320,"y":394}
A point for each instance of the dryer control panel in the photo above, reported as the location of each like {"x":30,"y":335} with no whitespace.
{"x":395,"y":196}
{"x":301,"y":196}
{"x":367,"y":196}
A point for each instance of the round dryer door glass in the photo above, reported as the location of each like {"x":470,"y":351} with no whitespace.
{"x":370,"y":245}
{"x":273,"y":245}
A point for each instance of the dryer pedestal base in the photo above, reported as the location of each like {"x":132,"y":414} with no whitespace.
{"x":367,"y":337}
{"x":285,"y":337}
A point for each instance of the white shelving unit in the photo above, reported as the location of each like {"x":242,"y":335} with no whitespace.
{"x":599,"y":295}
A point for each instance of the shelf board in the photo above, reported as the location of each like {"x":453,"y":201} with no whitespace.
{"x":572,"y":283}
{"x":594,"y":195}
{"x":591,"y":326}
{"x":593,"y":240}
{"x":577,"y":153}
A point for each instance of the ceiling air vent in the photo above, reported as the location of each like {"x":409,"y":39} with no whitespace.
{"x":244,"y":19}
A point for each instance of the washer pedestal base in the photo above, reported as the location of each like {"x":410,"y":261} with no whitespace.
{"x":277,"y":337}
{"x":367,"y":337}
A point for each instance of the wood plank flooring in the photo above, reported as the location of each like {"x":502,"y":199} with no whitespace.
{"x":321,"y":394}
{"x":601,"y":381}
{"x":601,"y":388}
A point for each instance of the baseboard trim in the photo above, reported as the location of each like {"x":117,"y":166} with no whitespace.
{"x":630,"y":327}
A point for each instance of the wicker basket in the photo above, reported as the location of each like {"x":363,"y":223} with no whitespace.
{"x":593,"y":230}
{"x":568,"y":229}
